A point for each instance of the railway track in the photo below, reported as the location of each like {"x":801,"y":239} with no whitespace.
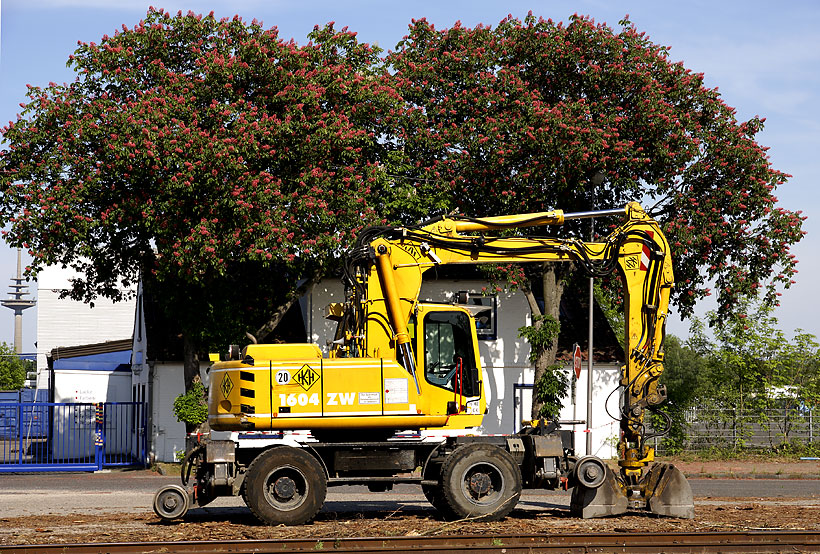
{"x":749,"y":541}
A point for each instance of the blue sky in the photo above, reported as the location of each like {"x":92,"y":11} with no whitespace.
{"x":764,"y":57}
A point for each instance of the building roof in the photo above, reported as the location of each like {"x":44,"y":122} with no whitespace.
{"x":107,"y":347}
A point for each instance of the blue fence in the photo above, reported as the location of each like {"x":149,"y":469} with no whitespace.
{"x":33,"y":422}
{"x":46,"y":436}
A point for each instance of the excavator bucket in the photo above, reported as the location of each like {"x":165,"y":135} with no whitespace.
{"x":607,"y":499}
{"x":668,"y":492}
{"x":663,"y":490}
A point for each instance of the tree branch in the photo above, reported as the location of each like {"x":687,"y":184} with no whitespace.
{"x":280,"y":312}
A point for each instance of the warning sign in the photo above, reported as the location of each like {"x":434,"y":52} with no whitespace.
{"x":226,"y":386}
{"x":306,"y":377}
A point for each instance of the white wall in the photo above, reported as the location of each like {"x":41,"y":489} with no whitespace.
{"x":604,"y":428}
{"x":66,"y":322}
{"x":167,"y":433}
{"x":73,"y":432}
{"x":91,"y":386}
{"x":159,"y":383}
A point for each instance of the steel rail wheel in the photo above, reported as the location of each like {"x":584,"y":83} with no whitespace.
{"x":285,"y":485}
{"x":480,"y":481}
{"x":171,"y":502}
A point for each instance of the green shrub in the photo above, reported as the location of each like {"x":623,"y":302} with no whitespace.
{"x":192,"y":407}
{"x":12,"y":369}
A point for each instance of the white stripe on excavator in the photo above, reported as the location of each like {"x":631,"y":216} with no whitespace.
{"x":317,"y":414}
{"x":285,"y":365}
{"x":245,"y":416}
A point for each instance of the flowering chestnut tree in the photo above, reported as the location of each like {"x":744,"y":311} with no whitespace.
{"x":535,"y":114}
{"x":211,"y":154}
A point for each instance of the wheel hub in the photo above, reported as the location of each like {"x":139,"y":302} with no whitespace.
{"x":480,"y":484}
{"x":591,"y":473}
{"x":170,"y":502}
{"x":284,"y":488}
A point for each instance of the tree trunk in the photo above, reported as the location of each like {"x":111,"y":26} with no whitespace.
{"x":190,"y":358}
{"x":190,"y":361}
{"x":552,"y":286}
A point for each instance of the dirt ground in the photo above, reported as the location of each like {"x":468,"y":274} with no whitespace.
{"x":712,"y":515}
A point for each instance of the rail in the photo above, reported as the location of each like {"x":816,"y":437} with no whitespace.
{"x":744,"y":541}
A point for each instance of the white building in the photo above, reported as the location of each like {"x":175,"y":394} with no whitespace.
{"x":158,"y":377}
{"x":62,"y":322}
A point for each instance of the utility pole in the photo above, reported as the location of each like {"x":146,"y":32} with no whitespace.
{"x":589,"y":354}
{"x":597,"y":180}
{"x":18,"y":303}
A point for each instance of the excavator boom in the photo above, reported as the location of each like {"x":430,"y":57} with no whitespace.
{"x":386,"y":272}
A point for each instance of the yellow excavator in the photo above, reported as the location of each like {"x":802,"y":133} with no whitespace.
{"x":397,"y":365}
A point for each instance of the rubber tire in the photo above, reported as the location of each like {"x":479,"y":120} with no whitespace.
{"x":303,"y":470}
{"x":433,"y":493}
{"x":435,"y":497}
{"x":487,"y":459}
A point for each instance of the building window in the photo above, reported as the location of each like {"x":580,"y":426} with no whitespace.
{"x":484,"y":310}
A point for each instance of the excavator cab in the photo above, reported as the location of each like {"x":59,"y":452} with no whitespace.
{"x":447,"y":354}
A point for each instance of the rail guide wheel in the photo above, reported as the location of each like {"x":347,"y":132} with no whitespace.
{"x":171,"y":502}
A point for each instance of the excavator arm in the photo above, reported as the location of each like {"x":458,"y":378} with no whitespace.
{"x":384,"y":274}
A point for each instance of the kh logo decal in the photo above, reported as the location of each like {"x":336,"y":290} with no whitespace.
{"x":226,"y":386}
{"x":306,"y":377}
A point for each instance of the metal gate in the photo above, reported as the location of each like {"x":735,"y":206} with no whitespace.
{"x":47,"y":436}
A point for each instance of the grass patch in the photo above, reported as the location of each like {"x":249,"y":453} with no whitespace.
{"x":779,"y":454}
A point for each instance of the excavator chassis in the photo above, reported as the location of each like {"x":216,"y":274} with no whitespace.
{"x":380,"y":377}
{"x":478,"y":477}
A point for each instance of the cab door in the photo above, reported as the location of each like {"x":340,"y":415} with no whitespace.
{"x":447,"y":358}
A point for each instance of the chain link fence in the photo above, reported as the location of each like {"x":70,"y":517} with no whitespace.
{"x":732,"y":429}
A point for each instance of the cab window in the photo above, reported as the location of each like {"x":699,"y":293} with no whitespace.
{"x":449,"y":360}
